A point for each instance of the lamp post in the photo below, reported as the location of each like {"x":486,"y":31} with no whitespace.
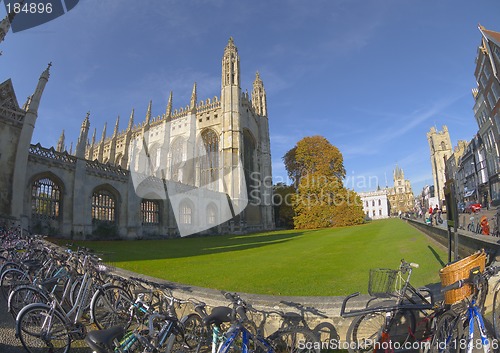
{"x":476,"y":177}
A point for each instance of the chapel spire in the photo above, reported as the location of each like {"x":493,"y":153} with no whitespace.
{"x":169,"y":107}
{"x":6,"y":22}
{"x":115,"y":132}
{"x":193,"y":99}
{"x":259,"y":101}
{"x":37,"y":95}
{"x":231,"y":65}
{"x":103,"y":137}
{"x":60,"y":143}
{"x":81,"y":145}
{"x":131,"y":121}
{"x":148,"y":113}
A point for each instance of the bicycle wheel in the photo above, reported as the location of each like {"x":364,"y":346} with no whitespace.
{"x":496,"y":312}
{"x":365,"y":332}
{"x":194,"y":330}
{"x":186,"y":337}
{"x":10,"y":279}
{"x":41,"y":332}
{"x":24,"y":295}
{"x":295,"y":339}
{"x":447,"y":336}
{"x":111,"y":306}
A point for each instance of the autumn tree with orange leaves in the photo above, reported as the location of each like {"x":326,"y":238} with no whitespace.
{"x":321,"y":199}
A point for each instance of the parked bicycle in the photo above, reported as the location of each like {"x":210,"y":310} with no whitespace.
{"x":163,"y":332}
{"x":388,"y":320}
{"x":52,"y":326}
{"x":458,"y":326}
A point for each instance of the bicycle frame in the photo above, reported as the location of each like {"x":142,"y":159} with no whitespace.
{"x":473,"y":313}
{"x":234,"y":331}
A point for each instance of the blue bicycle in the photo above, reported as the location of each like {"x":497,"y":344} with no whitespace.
{"x":242,"y":335}
{"x":456,"y":327}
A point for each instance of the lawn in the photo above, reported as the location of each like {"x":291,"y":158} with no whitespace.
{"x":318,"y":262}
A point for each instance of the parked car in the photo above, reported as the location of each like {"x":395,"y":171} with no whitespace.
{"x":461,"y":207}
{"x":473,"y":207}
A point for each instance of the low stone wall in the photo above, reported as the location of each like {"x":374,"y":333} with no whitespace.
{"x":468,"y":242}
{"x":322,"y":313}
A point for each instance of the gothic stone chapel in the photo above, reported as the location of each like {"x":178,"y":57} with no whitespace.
{"x":201,"y":169}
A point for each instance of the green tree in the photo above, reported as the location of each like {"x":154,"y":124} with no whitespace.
{"x":321,"y":200}
{"x":314,"y":154}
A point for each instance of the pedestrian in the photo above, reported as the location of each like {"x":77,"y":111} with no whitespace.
{"x":485,"y":226}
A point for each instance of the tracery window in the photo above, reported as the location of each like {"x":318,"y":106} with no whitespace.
{"x":186,"y":213}
{"x":211,"y":214}
{"x":177,"y":158}
{"x":45,"y":198}
{"x":150,"y":212}
{"x":103,"y":206}
{"x":209,"y":158}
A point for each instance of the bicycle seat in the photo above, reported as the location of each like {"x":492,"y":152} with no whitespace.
{"x":99,"y":340}
{"x":218,"y":315}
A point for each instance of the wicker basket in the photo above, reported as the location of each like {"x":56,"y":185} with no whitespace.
{"x":461,"y":270}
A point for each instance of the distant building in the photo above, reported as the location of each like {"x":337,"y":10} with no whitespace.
{"x":400,"y":195}
{"x":472,"y":174}
{"x":453,"y":170}
{"x":375,"y":204}
{"x":425,"y":198}
{"x":440,"y":150}
{"x":487,"y":111}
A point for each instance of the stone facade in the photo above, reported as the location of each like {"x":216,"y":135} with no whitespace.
{"x":440,"y":150}
{"x":375,"y":204}
{"x":400,"y":196}
{"x":487,"y":112}
{"x":218,"y":148}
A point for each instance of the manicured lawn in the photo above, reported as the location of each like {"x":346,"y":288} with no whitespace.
{"x":319,"y":262}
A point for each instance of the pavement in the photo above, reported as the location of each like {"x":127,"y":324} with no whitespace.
{"x":465,"y":218}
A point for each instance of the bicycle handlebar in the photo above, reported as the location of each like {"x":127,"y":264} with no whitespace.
{"x":473,"y":277}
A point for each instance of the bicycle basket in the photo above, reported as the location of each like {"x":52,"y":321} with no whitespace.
{"x":382,"y":282}
{"x":461,"y":270}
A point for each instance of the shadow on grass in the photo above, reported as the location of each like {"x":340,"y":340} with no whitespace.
{"x":118,"y":251}
{"x":436,"y":255}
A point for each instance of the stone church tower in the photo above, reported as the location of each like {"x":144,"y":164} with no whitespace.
{"x":401,"y":198}
{"x":441,"y":149}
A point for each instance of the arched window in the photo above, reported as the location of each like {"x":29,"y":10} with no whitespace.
{"x":177,"y":157}
{"x":150,"y":212}
{"x":443,"y":145}
{"x":186,"y":213}
{"x":103,"y":206}
{"x":212,"y":215}
{"x":209,"y":158}
{"x":45,"y":198}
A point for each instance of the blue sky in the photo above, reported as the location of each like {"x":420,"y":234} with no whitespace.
{"x":370,"y":76}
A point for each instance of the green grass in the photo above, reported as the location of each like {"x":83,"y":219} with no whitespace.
{"x":319,"y":262}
